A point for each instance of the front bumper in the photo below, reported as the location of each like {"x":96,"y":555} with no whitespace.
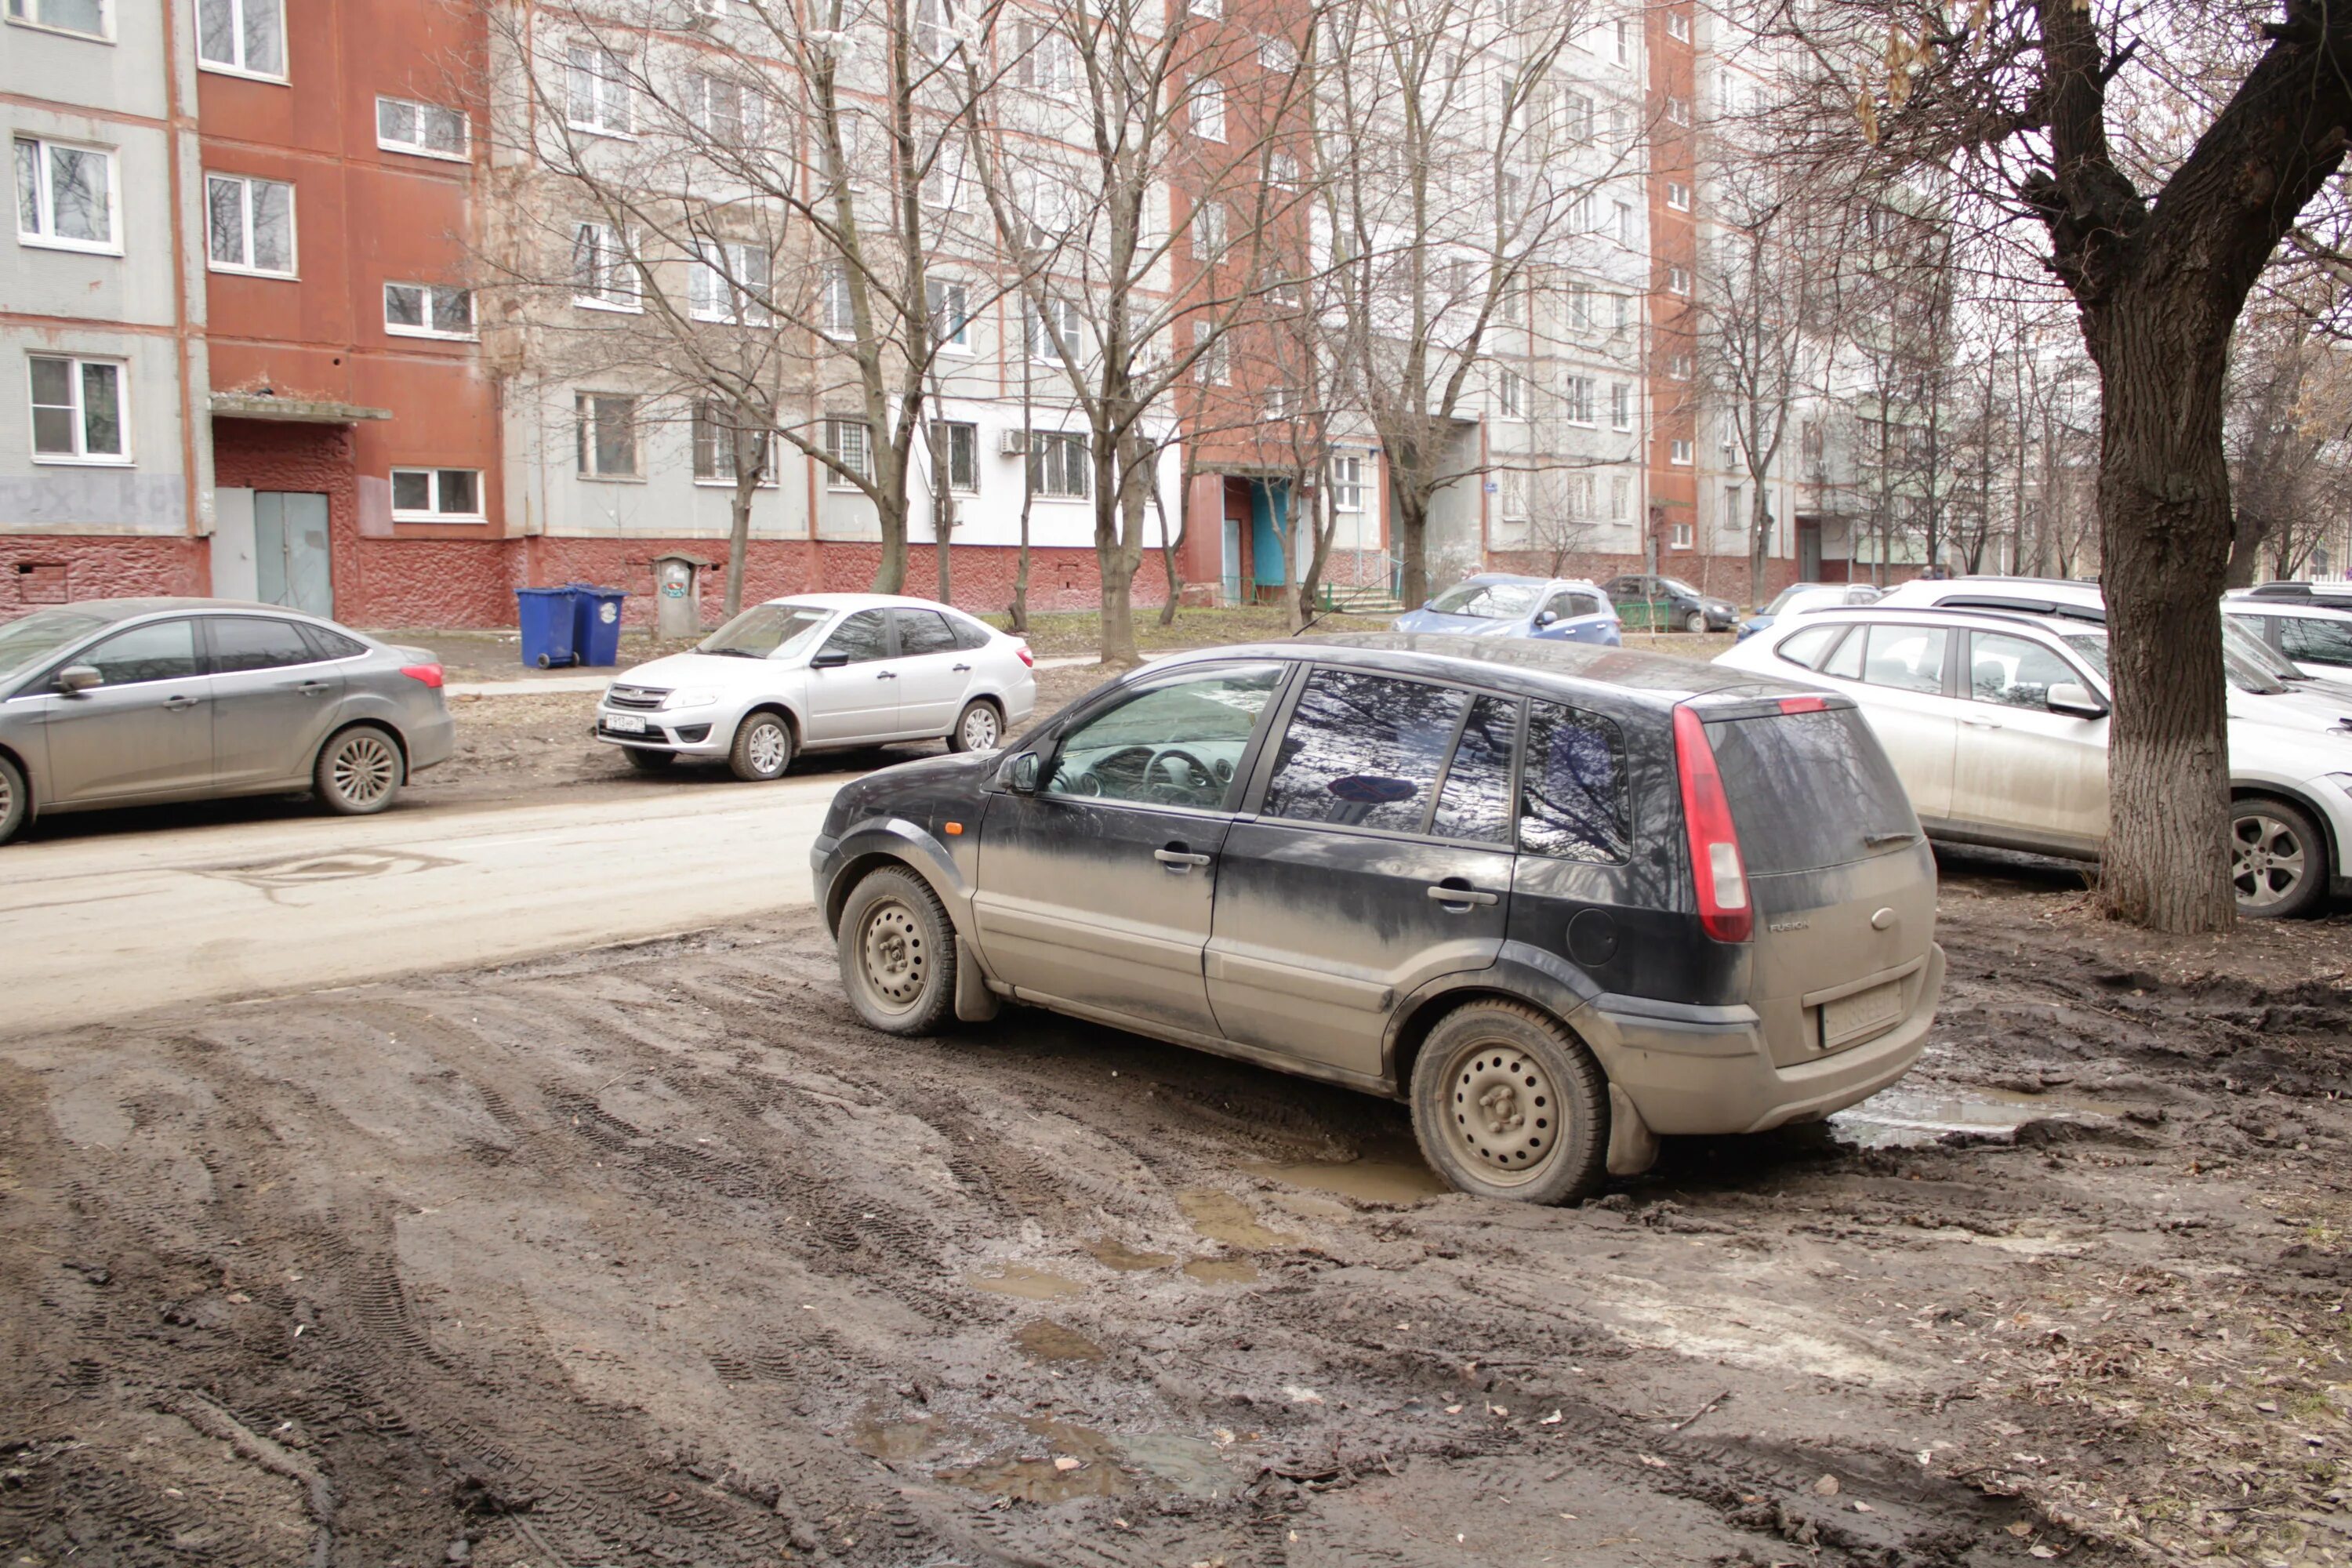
{"x":692,"y":733}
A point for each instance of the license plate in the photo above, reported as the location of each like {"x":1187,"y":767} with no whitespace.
{"x":625,"y":723}
{"x":1849,"y":1019}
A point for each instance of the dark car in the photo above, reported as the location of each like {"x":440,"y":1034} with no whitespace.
{"x":1560,"y":899}
{"x":1668,"y":604}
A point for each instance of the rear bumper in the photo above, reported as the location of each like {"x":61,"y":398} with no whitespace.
{"x":1717,"y":1075}
{"x":430,"y":741}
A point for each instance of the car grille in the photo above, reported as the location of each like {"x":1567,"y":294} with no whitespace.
{"x":643,"y":697}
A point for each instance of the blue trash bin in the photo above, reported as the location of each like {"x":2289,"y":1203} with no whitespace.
{"x":545,"y":617}
{"x":596,"y":623}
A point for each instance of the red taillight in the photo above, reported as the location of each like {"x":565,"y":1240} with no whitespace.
{"x":428,"y":673}
{"x":1804,"y":705}
{"x":1026,"y":657}
{"x":1717,"y":869}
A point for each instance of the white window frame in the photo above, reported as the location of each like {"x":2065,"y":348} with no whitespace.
{"x":1678,"y":196}
{"x":433,"y":513}
{"x":1205,"y":109}
{"x":836,"y":310}
{"x":22,"y":14}
{"x":1211,"y":227}
{"x":1576,"y":401}
{"x":750,"y":108}
{"x":433,"y":293}
{"x":617,"y":276}
{"x":1620,"y":406}
{"x":1678,"y":26}
{"x":1678,"y":282}
{"x":1045,"y":339}
{"x":1620,"y":496}
{"x":593,"y":59}
{"x":418,"y":109}
{"x":1347,"y":483}
{"x":1626,"y":225}
{"x":970,"y":432}
{"x":726,"y":302}
{"x":1048,"y":62}
{"x":45,"y":200}
{"x":1679,"y":536}
{"x":1277,"y":55}
{"x":1678,"y":453}
{"x":699,"y":425}
{"x":942,"y":185}
{"x":81,"y":457}
{"x":238,"y":66}
{"x":1677,"y":111}
{"x":1066,"y":442}
{"x":1211,"y":360}
{"x":583,"y":425}
{"x":1511,"y":394}
{"x":937,"y":295}
{"x":837,"y":446}
{"x":1678,"y":367}
{"x":246,"y":184}
{"x":1622,"y":50}
{"x":1212,"y":10}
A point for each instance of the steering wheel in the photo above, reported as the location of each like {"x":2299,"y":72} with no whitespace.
{"x":1160,"y":777}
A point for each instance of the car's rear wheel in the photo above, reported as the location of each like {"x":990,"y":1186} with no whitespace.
{"x":358,"y":771}
{"x":646,"y":761}
{"x":763,"y":748}
{"x":978,"y":728}
{"x":897,"y":953}
{"x":1507,"y":1104}
{"x":2278,"y":858}
{"x":14,"y":802}
{"x":1695,"y":622}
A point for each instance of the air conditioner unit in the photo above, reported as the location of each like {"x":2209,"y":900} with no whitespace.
{"x":1012,"y":444}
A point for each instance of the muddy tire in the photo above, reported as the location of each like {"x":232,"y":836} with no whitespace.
{"x":646,"y":761}
{"x":1507,"y":1104}
{"x":2278,"y":858}
{"x":15,"y":802}
{"x":897,"y":953}
{"x":763,"y":748}
{"x":358,"y":771}
{"x":979,"y":728}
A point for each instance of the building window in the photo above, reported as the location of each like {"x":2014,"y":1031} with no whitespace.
{"x":1511,"y":395}
{"x":1625,"y":223}
{"x":604,"y":274}
{"x":1678,"y":367}
{"x":1678,"y":196}
{"x":607,"y":427}
{"x":246,"y":36}
{"x":1678,"y":111}
{"x":1511,"y":506}
{"x":1057,"y":464}
{"x":729,"y":284}
{"x":942,"y":183}
{"x":67,"y":196}
{"x":1048,"y":61}
{"x":1624,"y":309}
{"x":1210,"y":222}
{"x":950,"y":314}
{"x":850,"y":444}
{"x":1678,"y":280}
{"x":836,"y":310}
{"x":77,"y":411}
{"x":1678,"y":453}
{"x":1347,"y":484}
{"x":1277,"y":55}
{"x":962,"y":442}
{"x":88,"y":17}
{"x":595,"y":90}
{"x":427,"y":130}
{"x":1735,"y":521}
{"x":1211,"y":362}
{"x":714,"y":446}
{"x":1209,"y":110}
{"x":1620,"y":498}
{"x":250,"y":225}
{"x":1048,"y":337}
{"x":1680,"y":539}
{"x":1579,"y":307}
{"x":1623,"y":50}
{"x":437,"y":495}
{"x":1577,"y":394}
{"x":1211,"y":9}
{"x":1678,"y":26}
{"x":427,"y":310}
{"x":935,"y":29}
{"x":1282,"y":171}
{"x":1620,"y":406}
{"x":728,"y":112}
{"x":1576,"y":116}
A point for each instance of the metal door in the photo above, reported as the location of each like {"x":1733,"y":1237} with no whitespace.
{"x":291,"y":561}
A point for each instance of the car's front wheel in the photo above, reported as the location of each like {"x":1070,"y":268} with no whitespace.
{"x":14,"y":802}
{"x":2278,"y":858}
{"x":1507,"y":1104}
{"x":897,"y":953}
{"x":763,"y":748}
{"x":979,"y":728}
{"x":358,"y":771}
{"x":1695,"y":622}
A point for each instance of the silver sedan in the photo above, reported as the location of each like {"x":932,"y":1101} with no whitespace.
{"x":139,"y":701}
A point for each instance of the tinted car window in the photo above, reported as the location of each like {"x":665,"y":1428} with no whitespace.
{"x":250,"y":642}
{"x":968,"y":634}
{"x":2321,"y":642}
{"x":1474,"y":802}
{"x":1363,"y":749}
{"x":1173,"y":743}
{"x":332,"y":644}
{"x":2014,"y":672}
{"x":1568,"y":606}
{"x":862,"y":637}
{"x":1572,"y":801}
{"x":924,"y":631}
{"x":1810,"y":790}
{"x":1813,"y":645}
{"x":1906,"y":659}
{"x":166,"y":650}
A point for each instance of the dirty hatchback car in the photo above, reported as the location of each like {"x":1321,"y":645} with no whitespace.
{"x":1558,"y":899}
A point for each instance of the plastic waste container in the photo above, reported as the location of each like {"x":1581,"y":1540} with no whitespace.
{"x":596,"y":623}
{"x":545,"y":617}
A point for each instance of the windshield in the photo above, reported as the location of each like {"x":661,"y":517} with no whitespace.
{"x":767,"y":631}
{"x":1780,"y":600}
{"x":1487,"y":600}
{"x":2092,"y":648}
{"x":1677,"y":585}
{"x":2242,"y":644}
{"x":42,"y":632}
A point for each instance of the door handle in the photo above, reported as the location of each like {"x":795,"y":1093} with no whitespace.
{"x":886,"y":675}
{"x":1466,"y":897}
{"x":962,"y":668}
{"x":181,"y":704}
{"x":1981,"y":723}
{"x":312,"y":688}
{"x":1178,"y":859}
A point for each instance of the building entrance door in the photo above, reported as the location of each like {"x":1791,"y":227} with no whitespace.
{"x":1809,"y":550}
{"x":291,"y":561}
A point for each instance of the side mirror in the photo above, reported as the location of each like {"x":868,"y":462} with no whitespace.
{"x":1018,"y":773}
{"x":828,"y":658}
{"x":1546,"y":618}
{"x":76,"y":679}
{"x":2071,"y":698}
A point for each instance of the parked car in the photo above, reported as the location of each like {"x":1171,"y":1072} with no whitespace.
{"x":1557,"y":609}
{"x":2338,"y":594}
{"x":2314,"y":635}
{"x":1705,"y":907}
{"x":1670,"y":603}
{"x":1798,"y":597}
{"x":139,"y":701}
{"x":1998,"y":723}
{"x":820,"y":672}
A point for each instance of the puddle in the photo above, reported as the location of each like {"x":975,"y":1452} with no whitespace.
{"x":1904,"y":1118}
{"x":1118,"y":1255}
{"x":1050,"y":1340}
{"x":1036,"y":1476}
{"x":1029,"y":1284}
{"x":1221,"y":1270}
{"x":304,"y":870}
{"x":894,"y":1439}
{"x":1190,"y":1465}
{"x":1220,"y":1216}
{"x":1381,"y":1175}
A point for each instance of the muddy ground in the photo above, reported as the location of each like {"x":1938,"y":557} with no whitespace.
{"x":654,"y":1255}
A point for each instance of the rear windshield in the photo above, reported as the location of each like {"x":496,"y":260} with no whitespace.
{"x":1487,"y":600}
{"x":1808,"y":789}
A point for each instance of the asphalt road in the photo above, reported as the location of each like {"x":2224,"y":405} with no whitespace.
{"x":105,"y":924}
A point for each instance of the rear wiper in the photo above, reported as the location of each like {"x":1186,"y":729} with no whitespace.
{"x":1873,"y":840}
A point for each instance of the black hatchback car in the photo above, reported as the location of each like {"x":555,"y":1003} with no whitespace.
{"x":1560,"y":900}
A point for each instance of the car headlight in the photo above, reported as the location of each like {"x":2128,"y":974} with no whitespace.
{"x":689,"y":699}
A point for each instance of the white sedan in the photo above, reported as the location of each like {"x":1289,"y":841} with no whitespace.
{"x":820,"y":672}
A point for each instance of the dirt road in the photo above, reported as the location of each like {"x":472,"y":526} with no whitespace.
{"x":654,"y":1255}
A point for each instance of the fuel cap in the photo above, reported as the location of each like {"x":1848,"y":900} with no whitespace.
{"x":1883,"y":919}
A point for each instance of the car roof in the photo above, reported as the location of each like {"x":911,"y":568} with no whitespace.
{"x":2308,"y":609}
{"x":862,"y":602}
{"x":1653,"y":680}
{"x":1521,"y":578}
{"x":132,"y":609}
{"x":1955,"y":615}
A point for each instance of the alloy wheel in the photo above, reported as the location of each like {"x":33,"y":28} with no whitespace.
{"x":1503,"y":1112}
{"x":896,"y":961}
{"x":365,"y":770}
{"x":766,"y":747}
{"x":980,"y":729}
{"x":2267,"y":860}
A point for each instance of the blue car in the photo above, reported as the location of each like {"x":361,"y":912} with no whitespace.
{"x":1493,"y":605}
{"x":1798,"y":597}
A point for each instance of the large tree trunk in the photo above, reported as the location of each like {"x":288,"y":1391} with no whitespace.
{"x":2164,"y":529}
{"x":1760,"y":539}
{"x":1409,"y":513}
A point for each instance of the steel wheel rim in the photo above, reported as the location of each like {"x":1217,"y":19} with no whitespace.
{"x":894,"y":960}
{"x":766,"y":747}
{"x":980,"y":729}
{"x":2261,"y":872}
{"x":365,"y":770}
{"x":1502,"y":1113}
